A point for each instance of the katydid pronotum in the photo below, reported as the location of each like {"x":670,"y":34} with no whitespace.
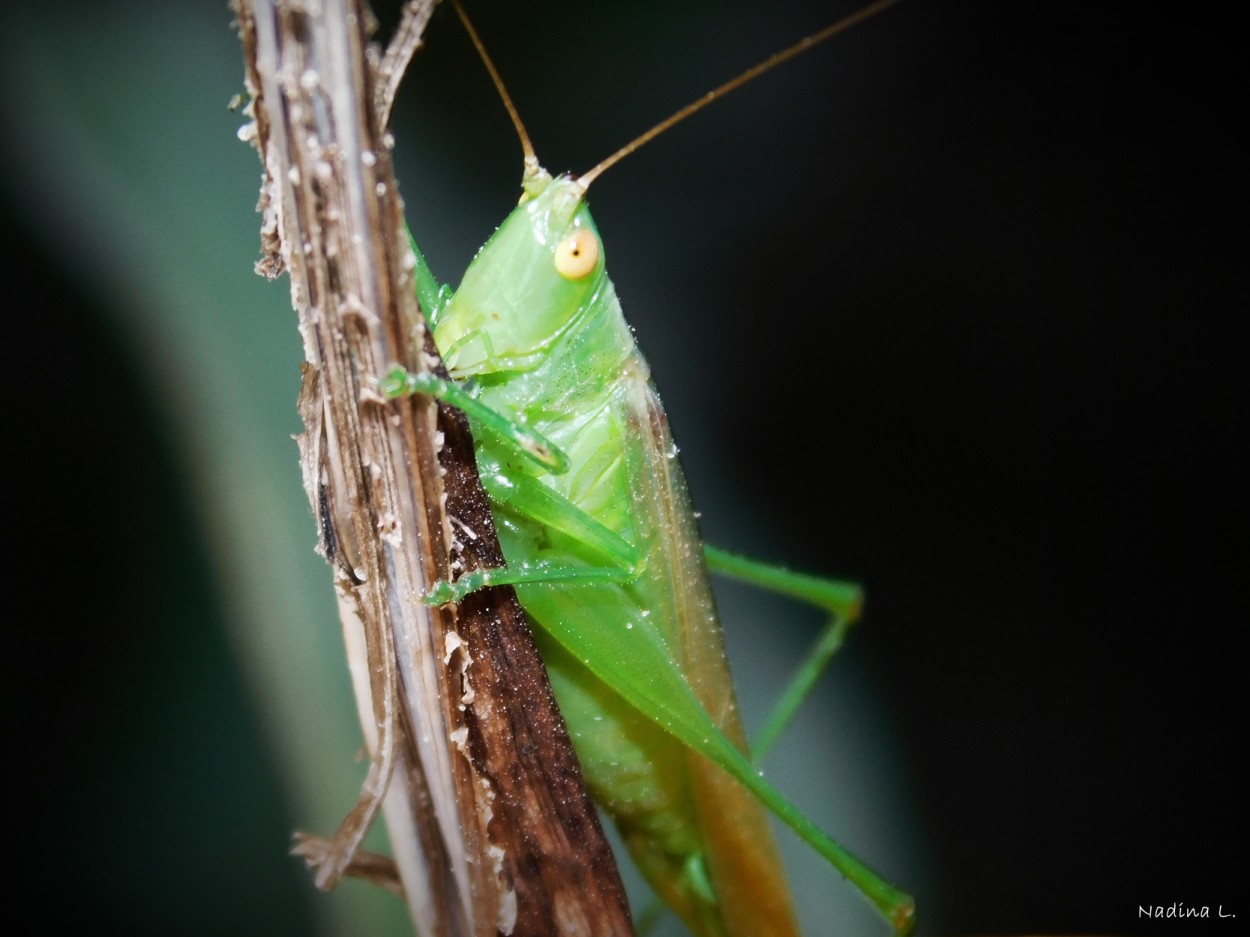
{"x":604,"y":552}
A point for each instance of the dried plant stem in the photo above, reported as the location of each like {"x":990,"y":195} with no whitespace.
{"x":470,"y":762}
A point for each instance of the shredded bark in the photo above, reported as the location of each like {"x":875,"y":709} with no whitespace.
{"x":470,"y":761}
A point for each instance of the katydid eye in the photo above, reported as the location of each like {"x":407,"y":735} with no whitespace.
{"x":577,"y":254}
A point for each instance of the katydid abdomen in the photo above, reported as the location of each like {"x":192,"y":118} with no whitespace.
{"x":603,"y":548}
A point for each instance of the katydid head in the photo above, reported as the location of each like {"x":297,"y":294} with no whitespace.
{"x":543,"y":265}
{"x":533,"y":278}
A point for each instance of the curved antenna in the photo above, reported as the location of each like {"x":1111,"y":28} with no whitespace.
{"x":751,"y":73}
{"x":532,"y":168}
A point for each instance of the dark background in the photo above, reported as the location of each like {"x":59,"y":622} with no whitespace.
{"x":946,"y":306}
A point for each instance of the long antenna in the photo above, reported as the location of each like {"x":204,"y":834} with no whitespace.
{"x":532,"y":168}
{"x":751,"y":73}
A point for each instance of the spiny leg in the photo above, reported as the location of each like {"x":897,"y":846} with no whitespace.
{"x":842,"y":600}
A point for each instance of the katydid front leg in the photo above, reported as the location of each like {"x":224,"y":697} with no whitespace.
{"x":528,"y":442}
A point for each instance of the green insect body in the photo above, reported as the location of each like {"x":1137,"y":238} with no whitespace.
{"x":603,"y":549}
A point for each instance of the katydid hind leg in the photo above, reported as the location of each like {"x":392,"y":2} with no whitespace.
{"x":665,"y":697}
{"x":841,"y":599}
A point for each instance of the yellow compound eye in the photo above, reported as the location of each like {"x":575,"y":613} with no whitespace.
{"x":577,"y":254}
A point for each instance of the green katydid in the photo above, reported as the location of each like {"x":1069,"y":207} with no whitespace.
{"x":603,"y":550}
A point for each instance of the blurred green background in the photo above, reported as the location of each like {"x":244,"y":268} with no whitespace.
{"x":951,"y":306}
